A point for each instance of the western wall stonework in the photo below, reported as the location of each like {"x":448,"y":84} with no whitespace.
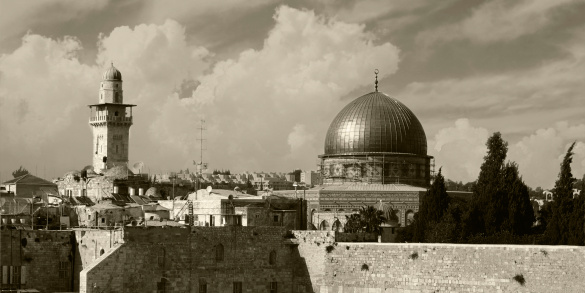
{"x":372,"y":267}
{"x":181,"y":260}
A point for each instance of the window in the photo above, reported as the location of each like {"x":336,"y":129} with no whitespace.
{"x":13,"y":275}
{"x":273,"y":287}
{"x":219,"y":252}
{"x":202,"y":286}
{"x":103,"y":220}
{"x":161,"y":287}
{"x":63,"y":269}
{"x":276,"y":218}
{"x":272,"y":258}
{"x":237,"y":287}
{"x":102,"y":252}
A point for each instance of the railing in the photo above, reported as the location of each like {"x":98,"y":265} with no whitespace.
{"x":110,"y":118}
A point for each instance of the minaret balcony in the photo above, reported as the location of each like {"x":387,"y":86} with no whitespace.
{"x":104,"y":118}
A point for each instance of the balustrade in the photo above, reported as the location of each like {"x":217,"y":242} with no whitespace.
{"x":105,"y":118}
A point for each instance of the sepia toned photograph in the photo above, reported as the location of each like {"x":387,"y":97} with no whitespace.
{"x":262,"y":146}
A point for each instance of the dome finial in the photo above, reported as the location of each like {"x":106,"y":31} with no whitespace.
{"x":376,"y":73}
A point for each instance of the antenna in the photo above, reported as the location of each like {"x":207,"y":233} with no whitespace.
{"x":200,"y":166}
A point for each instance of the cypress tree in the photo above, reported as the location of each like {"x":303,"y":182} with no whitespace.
{"x":487,"y":196}
{"x":557,"y":229}
{"x":432,"y":207}
{"x":577,"y":219}
{"x":520,"y":215}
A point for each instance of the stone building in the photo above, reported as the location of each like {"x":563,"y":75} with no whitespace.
{"x":375,"y":155}
{"x":27,"y":186}
{"x":220,"y":207}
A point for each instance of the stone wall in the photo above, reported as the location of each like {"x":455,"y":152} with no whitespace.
{"x":372,"y":267}
{"x":182,"y":259}
{"x":45,"y":258}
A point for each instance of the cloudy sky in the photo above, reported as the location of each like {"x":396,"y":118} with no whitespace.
{"x":268,"y":77}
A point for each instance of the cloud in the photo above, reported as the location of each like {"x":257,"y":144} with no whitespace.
{"x":48,"y":89}
{"x":540,"y":154}
{"x":513,"y":102}
{"x":459,"y":150}
{"x":498,"y":20}
{"x":42,"y":85}
{"x":16,"y":17}
{"x":257,"y":105}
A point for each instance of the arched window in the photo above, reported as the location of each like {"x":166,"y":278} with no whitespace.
{"x":272,"y":258}
{"x":219,"y":252}
{"x":409,"y":215}
{"x":324,"y":225}
{"x":337,"y":227}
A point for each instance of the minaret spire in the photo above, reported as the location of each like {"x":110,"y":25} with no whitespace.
{"x":376,"y":73}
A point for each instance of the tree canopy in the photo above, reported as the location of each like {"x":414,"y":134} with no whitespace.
{"x":367,"y":220}
{"x":19,"y":172}
{"x":564,"y":216}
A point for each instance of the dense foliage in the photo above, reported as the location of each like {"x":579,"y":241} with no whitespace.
{"x":500,"y":210}
{"x":19,"y":172}
{"x":367,"y":220}
{"x":432,"y":207}
{"x":563,"y":218}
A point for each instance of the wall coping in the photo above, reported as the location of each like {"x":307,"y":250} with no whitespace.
{"x":477,"y":246}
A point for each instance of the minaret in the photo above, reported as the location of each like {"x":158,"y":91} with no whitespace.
{"x":110,"y":121}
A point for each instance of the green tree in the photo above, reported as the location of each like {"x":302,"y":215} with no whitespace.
{"x":486,"y":203}
{"x":372,"y":218}
{"x":353,"y":223}
{"x":577,"y":219}
{"x":561,"y":208}
{"x":19,"y":172}
{"x":520,"y":214}
{"x":432,"y":207}
{"x":367,"y":220}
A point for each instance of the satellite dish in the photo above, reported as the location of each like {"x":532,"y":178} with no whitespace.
{"x":209,"y":189}
{"x":137,"y":167}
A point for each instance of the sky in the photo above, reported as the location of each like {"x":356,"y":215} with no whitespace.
{"x":268,"y":77}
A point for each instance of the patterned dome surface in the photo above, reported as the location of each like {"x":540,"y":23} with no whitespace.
{"x":112,"y":74}
{"x":375,"y":123}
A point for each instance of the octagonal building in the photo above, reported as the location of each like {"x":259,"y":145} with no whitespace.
{"x":376,"y":139}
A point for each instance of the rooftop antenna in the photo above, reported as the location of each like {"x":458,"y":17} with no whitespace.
{"x":200,"y":166}
{"x":376,"y":71}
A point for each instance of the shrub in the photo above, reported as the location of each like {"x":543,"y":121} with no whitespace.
{"x":329,"y":248}
{"x":520,"y":279}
